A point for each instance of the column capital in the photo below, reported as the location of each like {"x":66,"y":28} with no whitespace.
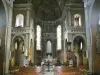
{"x":88,"y":3}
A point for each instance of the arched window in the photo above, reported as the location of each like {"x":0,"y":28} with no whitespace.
{"x":38,"y":39}
{"x":99,"y":19}
{"x":59,"y":37}
{"x":49,"y":47}
{"x":81,"y":46}
{"x":77,"y":20}
{"x":19,"y":20}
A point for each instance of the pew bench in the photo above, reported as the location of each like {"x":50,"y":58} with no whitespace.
{"x":26,"y":71}
{"x":67,"y":70}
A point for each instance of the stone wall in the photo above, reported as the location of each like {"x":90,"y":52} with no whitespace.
{"x":2,"y":35}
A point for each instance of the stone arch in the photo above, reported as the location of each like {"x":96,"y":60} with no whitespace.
{"x":16,"y":36}
{"x":17,"y":53}
{"x":79,"y":35}
{"x":79,"y":49}
{"x":83,"y":36}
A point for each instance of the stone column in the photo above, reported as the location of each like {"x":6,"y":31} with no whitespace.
{"x":88,"y":34}
{"x":65,"y":59}
{"x":69,"y":16}
{"x":33,"y":50}
{"x":72,"y":45}
{"x":8,"y":38}
{"x":28,"y":18}
{"x":21,"y":55}
{"x":27,"y":43}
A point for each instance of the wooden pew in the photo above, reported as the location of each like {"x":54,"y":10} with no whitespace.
{"x":67,"y":70}
{"x":26,"y":71}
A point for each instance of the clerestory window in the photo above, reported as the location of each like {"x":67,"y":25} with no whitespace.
{"x":19,"y":20}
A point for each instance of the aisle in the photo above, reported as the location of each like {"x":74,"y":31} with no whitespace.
{"x":51,"y":72}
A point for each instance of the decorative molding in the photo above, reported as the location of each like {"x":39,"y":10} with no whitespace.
{"x":22,"y":30}
{"x":23,"y":5}
{"x":76,"y":29}
{"x":49,"y":36}
{"x":88,"y":3}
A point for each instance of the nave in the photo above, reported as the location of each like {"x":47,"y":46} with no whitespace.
{"x":68,"y":30}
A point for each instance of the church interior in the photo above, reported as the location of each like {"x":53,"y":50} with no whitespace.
{"x":49,"y":37}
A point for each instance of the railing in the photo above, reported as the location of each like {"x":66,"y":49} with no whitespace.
{"x":20,"y":30}
{"x":76,"y":30}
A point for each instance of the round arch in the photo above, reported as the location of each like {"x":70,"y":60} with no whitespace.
{"x":79,"y":49}
{"x":16,"y":36}
{"x":83,"y":36}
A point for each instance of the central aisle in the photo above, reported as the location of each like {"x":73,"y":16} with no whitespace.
{"x":51,"y":72}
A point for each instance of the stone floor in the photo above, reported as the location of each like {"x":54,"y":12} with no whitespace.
{"x":51,"y":72}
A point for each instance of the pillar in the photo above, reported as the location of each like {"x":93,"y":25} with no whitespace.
{"x":65,"y":59}
{"x":88,"y":34}
{"x":69,"y":16}
{"x":8,"y":38}
{"x":27,"y":43}
{"x":28,"y":18}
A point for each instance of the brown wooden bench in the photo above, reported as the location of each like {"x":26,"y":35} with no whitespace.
{"x":26,"y":71}
{"x":67,"y":70}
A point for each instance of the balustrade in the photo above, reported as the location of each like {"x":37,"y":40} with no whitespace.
{"x":76,"y":29}
{"x":20,"y":30}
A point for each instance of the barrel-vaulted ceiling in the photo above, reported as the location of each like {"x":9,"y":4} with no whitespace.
{"x":48,"y":10}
